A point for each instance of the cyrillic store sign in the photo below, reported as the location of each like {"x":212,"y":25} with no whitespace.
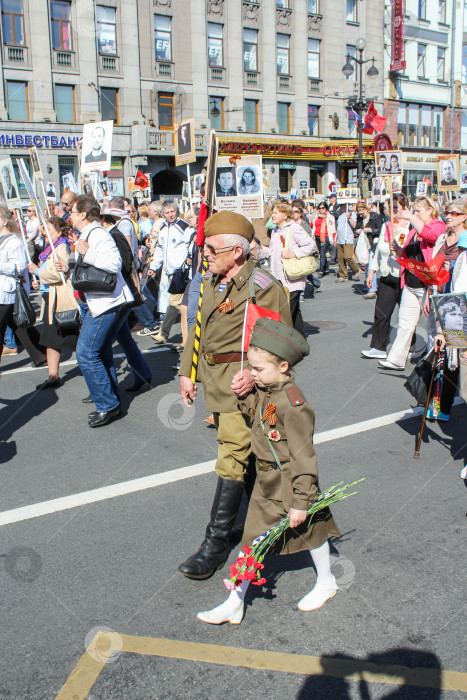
{"x":38,"y":140}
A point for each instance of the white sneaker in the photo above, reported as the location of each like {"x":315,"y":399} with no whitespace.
{"x":385,"y":364}
{"x":374,"y":354}
{"x":318,"y":596}
{"x":223,"y":613}
{"x":463,"y":474}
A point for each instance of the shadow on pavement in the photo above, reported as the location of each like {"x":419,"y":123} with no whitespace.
{"x":342,"y":689}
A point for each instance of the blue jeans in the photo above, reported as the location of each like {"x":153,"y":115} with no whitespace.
{"x":323,"y":248}
{"x":95,"y":358}
{"x":143,"y":315}
{"x":133,"y":354}
{"x":193,"y":298}
{"x":367,"y":267}
{"x":9,"y":339}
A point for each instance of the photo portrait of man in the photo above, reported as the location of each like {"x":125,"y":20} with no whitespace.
{"x":448,"y":173}
{"x":97,"y":154}
{"x":225,"y":179}
{"x":376,"y":187}
{"x":184,"y":139}
{"x":249,"y":181}
{"x":383,"y":164}
{"x":35,"y":162}
{"x":421,"y":189}
{"x":8,"y":187}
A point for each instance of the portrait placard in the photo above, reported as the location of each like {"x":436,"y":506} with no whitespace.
{"x":185,"y":142}
{"x":448,"y":170}
{"x":36,"y":167}
{"x":97,"y":146}
{"x":9,"y":184}
{"x":422,"y":188}
{"x":388,"y":163}
{"x":451,"y":310}
{"x":239,"y":186}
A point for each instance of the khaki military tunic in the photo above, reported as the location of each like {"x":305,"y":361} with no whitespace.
{"x":296,"y":486}
{"x":222,"y":332}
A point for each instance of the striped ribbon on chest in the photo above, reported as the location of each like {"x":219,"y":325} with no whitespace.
{"x":196,"y":346}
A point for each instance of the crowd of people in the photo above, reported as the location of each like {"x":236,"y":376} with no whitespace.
{"x":102,"y":268}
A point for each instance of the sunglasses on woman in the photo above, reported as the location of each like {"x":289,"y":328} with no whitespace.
{"x":454,"y":213}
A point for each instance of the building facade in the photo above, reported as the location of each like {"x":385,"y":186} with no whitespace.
{"x":264,"y":74}
{"x":424,"y":101}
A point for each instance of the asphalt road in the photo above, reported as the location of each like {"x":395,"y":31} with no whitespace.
{"x":111,"y":564}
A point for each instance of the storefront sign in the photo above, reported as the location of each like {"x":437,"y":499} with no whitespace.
{"x":397,"y":36}
{"x":287,"y":166}
{"x":307,"y":150}
{"x":46,"y":141}
{"x":418,"y":161}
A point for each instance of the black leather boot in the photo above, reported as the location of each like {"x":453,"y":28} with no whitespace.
{"x":212,"y":555}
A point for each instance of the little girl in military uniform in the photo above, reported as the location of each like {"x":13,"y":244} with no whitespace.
{"x":286,"y":466}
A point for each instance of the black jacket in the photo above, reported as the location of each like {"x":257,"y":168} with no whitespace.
{"x":126,"y":256}
{"x":375,"y":222}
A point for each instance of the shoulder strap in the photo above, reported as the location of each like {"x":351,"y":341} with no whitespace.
{"x":295,"y":396}
{"x":7,"y":238}
{"x":262,"y":280}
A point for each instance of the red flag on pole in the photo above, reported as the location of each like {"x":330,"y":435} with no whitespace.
{"x":427,"y":180}
{"x":141,"y":180}
{"x":373,"y":120}
{"x":252,"y":313}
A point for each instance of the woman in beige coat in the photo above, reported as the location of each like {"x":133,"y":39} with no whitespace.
{"x":55,"y":297}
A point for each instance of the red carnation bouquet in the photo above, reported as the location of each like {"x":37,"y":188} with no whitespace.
{"x":249,"y":566}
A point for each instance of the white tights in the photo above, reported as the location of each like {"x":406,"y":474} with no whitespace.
{"x":321,"y":559}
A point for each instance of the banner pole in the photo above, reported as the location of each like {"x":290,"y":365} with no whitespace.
{"x":189,"y":187}
{"x":22,"y":234}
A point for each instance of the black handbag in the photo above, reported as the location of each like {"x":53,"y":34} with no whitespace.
{"x":88,"y":278}
{"x":418,"y":383}
{"x":179,"y":280}
{"x":24,"y":315}
{"x":67,"y":321}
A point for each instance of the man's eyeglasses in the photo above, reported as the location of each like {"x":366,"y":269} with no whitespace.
{"x":215,"y":251}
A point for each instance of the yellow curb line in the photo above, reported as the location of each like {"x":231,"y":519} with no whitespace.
{"x":100,"y":650}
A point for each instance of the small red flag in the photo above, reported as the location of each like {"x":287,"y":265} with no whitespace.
{"x":427,"y":180}
{"x":373,"y":120}
{"x":253,"y":313}
{"x":141,"y":180}
{"x":431,"y":272}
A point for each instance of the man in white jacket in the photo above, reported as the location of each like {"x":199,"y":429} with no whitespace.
{"x":170,"y":254}
{"x":103,"y":314}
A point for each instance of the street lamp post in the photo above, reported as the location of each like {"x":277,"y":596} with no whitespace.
{"x":360,"y":106}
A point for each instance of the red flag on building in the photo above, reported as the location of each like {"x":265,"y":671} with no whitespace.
{"x":141,"y":180}
{"x":431,"y":272}
{"x":373,"y":120}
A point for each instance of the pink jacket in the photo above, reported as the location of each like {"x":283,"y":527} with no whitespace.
{"x":428,"y":237}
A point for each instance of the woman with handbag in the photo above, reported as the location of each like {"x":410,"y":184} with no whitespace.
{"x":290,"y":246}
{"x":57,"y":301}
{"x":369,"y":223}
{"x":104,"y":297}
{"x":13,"y":262}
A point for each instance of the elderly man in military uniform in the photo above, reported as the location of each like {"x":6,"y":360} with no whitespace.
{"x":232,"y":280}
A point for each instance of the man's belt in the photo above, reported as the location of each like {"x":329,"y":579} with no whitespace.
{"x":265,"y":466}
{"x":220,"y":358}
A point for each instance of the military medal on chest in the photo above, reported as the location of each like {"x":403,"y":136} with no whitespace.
{"x":226,"y":306}
{"x":270,"y":416}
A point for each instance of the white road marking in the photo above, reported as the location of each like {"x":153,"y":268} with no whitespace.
{"x":19,"y":370}
{"x":55,"y":505}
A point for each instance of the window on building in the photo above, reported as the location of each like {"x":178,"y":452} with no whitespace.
{"x":402,"y":123}
{"x":464,"y":130}
{"x":65,"y":103}
{"x":13,"y":22}
{"x":60,"y":17}
{"x":109,"y":104}
{"x":465,"y":15}
{"x":351,"y":11}
{"x":313,"y":7}
{"x":420,"y":125}
{"x":215,"y":51}
{"x":313,"y":120}
{"x":441,"y":63}
{"x":17,"y":96}
{"x":250,"y":111}
{"x":464,"y":64}
{"x":250,"y":49}
{"x":282,"y":3}
{"x":283,"y":54}
{"x":421,"y":60}
{"x":165,"y":109}
{"x":162,"y":38}
{"x":313,"y":58}
{"x":442,"y":11}
{"x":66,"y":165}
{"x":283,"y":117}
{"x":351,"y":51}
{"x":216,"y":112}
{"x":422,"y":9}
{"x":106,"y":31}
{"x":352,"y":124}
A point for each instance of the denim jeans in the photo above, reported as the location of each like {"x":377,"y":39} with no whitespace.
{"x":374,"y":286}
{"x":133,"y":354}
{"x":193,"y":298}
{"x":323,"y":249}
{"x":9,"y":340}
{"x":144,"y":316}
{"x":95,"y":358}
